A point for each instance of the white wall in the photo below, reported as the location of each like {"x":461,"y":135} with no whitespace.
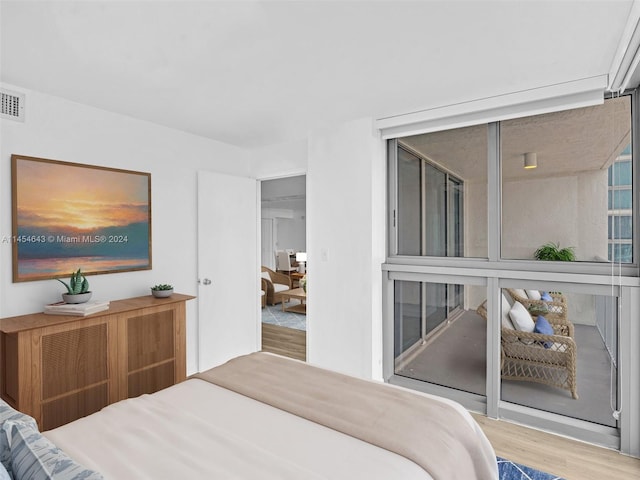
{"x":475,"y":219}
{"x":62,"y":130}
{"x":291,"y":232}
{"x":346,"y":212}
{"x":592,"y":243}
{"x":289,"y":227}
{"x":345,"y":239}
{"x":279,"y":160}
{"x":533,"y":209}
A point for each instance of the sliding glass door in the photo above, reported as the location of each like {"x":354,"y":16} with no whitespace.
{"x":430,"y":208}
{"x":430,"y":219}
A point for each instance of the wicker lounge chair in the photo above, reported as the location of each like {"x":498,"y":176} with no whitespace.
{"x":557,"y":306}
{"x":524,"y":355}
{"x":274,"y":285}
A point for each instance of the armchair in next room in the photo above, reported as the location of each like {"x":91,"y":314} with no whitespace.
{"x":274,"y":284}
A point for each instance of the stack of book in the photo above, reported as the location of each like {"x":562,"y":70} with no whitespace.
{"x":77,"y":309}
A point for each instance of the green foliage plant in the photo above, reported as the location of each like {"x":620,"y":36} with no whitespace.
{"x":552,"y":252}
{"x":77,"y":283}
{"x":162,"y":286}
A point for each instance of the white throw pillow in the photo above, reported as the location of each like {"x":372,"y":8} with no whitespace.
{"x":521,"y":318}
{"x":520,"y":292}
{"x":533,"y":294}
{"x":506,"y":321}
{"x":266,"y":275}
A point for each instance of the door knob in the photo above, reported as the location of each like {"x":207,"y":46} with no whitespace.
{"x":206,"y":281}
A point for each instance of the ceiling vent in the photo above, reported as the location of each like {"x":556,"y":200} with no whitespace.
{"x":12,"y":105}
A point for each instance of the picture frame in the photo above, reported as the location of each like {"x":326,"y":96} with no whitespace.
{"x":68,"y":215}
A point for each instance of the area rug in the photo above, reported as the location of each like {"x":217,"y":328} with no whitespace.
{"x":514,"y":471}
{"x":274,"y":315}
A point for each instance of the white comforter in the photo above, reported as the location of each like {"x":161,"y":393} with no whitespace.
{"x":197,"y":430}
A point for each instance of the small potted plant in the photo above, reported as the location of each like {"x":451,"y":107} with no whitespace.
{"x":552,"y":252}
{"x":77,"y":288}
{"x":162,"y":290}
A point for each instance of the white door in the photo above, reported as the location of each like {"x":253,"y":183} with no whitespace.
{"x":228,"y":277}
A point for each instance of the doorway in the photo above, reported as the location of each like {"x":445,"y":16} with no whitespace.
{"x":283,"y":248}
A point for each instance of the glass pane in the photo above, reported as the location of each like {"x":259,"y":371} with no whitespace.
{"x":567,"y":199}
{"x":407,"y":314}
{"x":435,"y":212}
{"x":620,"y":252}
{"x":409,"y":204}
{"x":620,"y":227}
{"x":443,"y":202}
{"x":436,"y":310}
{"x":439,"y":337}
{"x":620,"y":199}
{"x":620,"y":171}
{"x":455,"y":214}
{"x":559,"y":353}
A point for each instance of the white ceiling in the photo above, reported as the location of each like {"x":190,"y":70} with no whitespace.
{"x":254,"y":73}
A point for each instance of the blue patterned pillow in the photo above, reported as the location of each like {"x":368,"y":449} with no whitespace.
{"x":8,"y":413}
{"x":543,"y":326}
{"x":34,"y":457}
{"x":546,"y":297}
{"x":4,"y":475}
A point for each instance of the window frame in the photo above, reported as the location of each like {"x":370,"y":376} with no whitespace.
{"x":494,"y":208}
{"x":622,"y":280}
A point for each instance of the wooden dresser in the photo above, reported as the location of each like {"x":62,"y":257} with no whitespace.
{"x":59,"y":368}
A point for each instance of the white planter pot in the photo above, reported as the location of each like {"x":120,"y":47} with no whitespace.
{"x":77,"y":298}
{"x":161,"y":293}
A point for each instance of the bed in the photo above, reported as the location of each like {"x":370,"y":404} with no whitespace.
{"x":262,"y":416}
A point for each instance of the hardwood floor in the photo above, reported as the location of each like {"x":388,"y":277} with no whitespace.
{"x":288,"y":342}
{"x":570,"y":459}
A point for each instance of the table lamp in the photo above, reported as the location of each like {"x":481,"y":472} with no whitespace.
{"x":301,"y":258}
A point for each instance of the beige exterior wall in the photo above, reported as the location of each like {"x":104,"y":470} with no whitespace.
{"x":569,"y":210}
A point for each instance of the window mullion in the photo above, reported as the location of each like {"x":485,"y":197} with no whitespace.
{"x":392,"y":174}
{"x":494,"y":207}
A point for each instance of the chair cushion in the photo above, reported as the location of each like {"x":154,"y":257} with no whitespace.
{"x":279,"y":287}
{"x":533,"y":294}
{"x":543,"y":326}
{"x":521,"y":318}
{"x":265,"y":275}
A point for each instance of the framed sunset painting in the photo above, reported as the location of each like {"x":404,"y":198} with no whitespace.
{"x":68,"y":216}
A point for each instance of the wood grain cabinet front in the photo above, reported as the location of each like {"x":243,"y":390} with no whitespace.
{"x":154,"y":356}
{"x":60,"y":368}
